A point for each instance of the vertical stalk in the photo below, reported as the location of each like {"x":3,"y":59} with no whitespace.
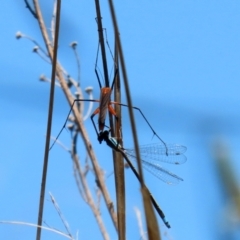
{"x":153,"y":230}
{"x":119,"y":162}
{"x":49,"y":123}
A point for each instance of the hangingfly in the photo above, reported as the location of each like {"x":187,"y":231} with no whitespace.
{"x":105,"y":105}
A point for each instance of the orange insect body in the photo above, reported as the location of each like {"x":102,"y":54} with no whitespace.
{"x":104,"y":106}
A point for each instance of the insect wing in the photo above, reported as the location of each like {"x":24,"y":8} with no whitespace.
{"x":157,"y":152}
{"x":161,"y":173}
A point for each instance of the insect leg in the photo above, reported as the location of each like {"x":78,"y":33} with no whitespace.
{"x":96,"y":72}
{"x":115,"y":76}
{"x":125,"y":105}
{"x":64,"y":125}
{"x":92,"y":116}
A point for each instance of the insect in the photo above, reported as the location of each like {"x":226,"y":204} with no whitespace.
{"x":159,"y":151}
{"x":105,"y":105}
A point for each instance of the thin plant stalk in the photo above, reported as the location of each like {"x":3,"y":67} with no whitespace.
{"x":118,"y":159}
{"x":49,"y":124}
{"x":153,"y":230}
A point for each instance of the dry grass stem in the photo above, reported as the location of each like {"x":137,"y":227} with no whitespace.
{"x":37,"y":226}
{"x":60,"y":214}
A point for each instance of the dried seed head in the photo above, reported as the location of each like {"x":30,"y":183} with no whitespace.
{"x":73,"y":45}
{"x":42,"y":78}
{"x":18,"y":35}
{"x":70,"y":126}
{"x":35,"y":49}
{"x":88,"y":90}
{"x":77,"y":94}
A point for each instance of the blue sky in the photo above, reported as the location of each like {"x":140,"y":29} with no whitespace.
{"x":183,"y":62}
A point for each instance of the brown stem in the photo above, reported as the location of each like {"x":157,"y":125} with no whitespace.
{"x":88,"y":196}
{"x":153,"y":231}
{"x":118,"y":159}
{"x":49,"y":123}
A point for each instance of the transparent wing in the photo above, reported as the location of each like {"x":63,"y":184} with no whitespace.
{"x":172,"y":154}
{"x":161,"y":173}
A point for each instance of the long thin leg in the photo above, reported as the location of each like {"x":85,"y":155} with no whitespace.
{"x":96,"y":72}
{"x":92,"y":116}
{"x":64,"y":125}
{"x":116,"y":68}
{"x":114,"y":78}
{"x":125,"y":105}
